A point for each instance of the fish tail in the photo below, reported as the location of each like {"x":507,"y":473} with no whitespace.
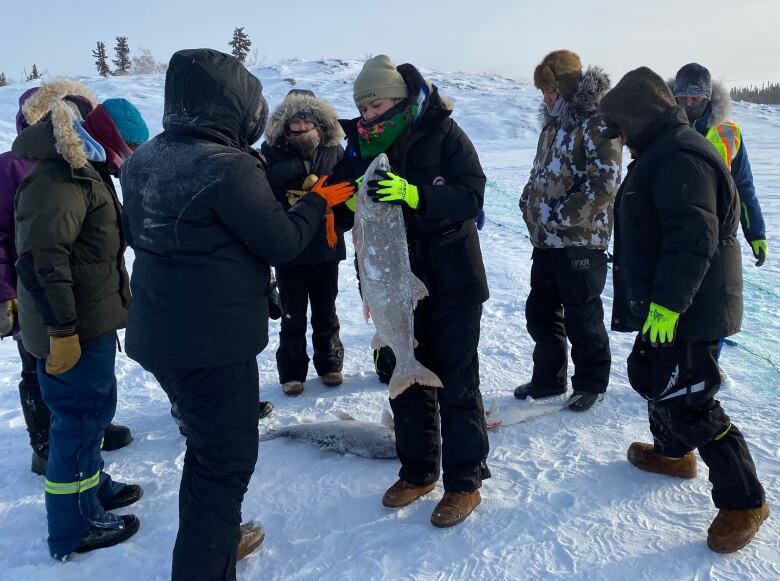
{"x":406,"y":377}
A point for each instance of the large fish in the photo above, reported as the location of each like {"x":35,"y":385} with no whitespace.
{"x":390,"y":289}
{"x":345,"y":436}
{"x":514,"y":412}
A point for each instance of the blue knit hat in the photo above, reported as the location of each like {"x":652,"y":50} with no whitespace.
{"x":128,"y":120}
{"x":693,"y":80}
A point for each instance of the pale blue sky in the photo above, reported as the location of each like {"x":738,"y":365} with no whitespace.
{"x":736,"y":40}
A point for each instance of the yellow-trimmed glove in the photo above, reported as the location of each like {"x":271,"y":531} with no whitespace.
{"x":352,"y":202}
{"x":394,"y":189}
{"x":660,"y":326}
{"x":334,"y":194}
{"x":7,"y":314}
{"x":64,"y":353}
{"x":760,"y":250}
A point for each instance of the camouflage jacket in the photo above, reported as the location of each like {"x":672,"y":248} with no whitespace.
{"x":569,"y":198}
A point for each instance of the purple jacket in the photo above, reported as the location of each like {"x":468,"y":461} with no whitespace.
{"x":12,"y":171}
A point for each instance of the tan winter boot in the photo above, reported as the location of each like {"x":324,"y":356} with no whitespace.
{"x":402,"y":493}
{"x":733,"y":529}
{"x":644,"y":457}
{"x":454,"y":508}
{"x":252,"y":536}
{"x":332,"y":379}
{"x":293,"y":387}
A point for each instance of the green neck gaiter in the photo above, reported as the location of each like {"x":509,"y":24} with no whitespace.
{"x":378,"y":137}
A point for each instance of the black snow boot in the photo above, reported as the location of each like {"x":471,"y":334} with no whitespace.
{"x":537,"y":392}
{"x":40,"y":460}
{"x":116,"y":437}
{"x":96,"y":538}
{"x":582,"y":401}
{"x":129,"y":494}
{"x":266,"y":407}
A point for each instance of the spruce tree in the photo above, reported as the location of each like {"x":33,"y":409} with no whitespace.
{"x":122,"y":60}
{"x":34,"y":74}
{"x":101,"y":62}
{"x":240,"y":44}
{"x":3,"y":80}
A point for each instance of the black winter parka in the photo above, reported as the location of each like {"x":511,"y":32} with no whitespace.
{"x":204,"y":223}
{"x":437,"y":157}
{"x":676,"y":219}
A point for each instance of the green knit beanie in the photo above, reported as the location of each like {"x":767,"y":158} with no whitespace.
{"x":379,"y":79}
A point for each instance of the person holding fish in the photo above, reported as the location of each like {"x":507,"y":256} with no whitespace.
{"x":435,"y":176}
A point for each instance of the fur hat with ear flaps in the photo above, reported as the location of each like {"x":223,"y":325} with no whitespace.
{"x":561,"y":71}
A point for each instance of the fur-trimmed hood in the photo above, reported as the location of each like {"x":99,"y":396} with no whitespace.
{"x":585,"y":103}
{"x":54,"y":138}
{"x":38,"y":105}
{"x":720,"y":103}
{"x":320,"y":112}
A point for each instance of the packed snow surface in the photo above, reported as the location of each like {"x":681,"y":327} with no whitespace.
{"x":562,"y":502}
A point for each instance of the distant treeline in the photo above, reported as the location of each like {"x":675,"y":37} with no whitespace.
{"x":766,"y":94}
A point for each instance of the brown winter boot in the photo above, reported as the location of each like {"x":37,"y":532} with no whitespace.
{"x":402,"y":493}
{"x":644,"y":457}
{"x":293,"y":387}
{"x":733,"y":529}
{"x":454,"y":508}
{"x":332,"y":379}
{"x":252,"y":536}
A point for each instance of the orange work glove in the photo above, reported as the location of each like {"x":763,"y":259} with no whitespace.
{"x":335,"y":194}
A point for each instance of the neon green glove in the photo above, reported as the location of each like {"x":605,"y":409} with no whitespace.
{"x":660,"y":325}
{"x":394,"y":189}
{"x":760,"y":250}
{"x":352,"y":202}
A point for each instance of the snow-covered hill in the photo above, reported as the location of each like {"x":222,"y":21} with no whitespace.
{"x":563,"y":501}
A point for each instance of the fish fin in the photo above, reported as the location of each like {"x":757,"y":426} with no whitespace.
{"x":491,"y":415}
{"x":387,"y":420}
{"x":346,"y":416}
{"x":377,"y":343}
{"x":366,"y":311}
{"x":417,"y":373}
{"x":269,"y":435}
{"x":419,"y":291}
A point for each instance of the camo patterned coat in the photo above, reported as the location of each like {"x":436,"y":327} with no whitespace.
{"x":569,"y":198}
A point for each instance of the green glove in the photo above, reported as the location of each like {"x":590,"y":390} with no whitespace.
{"x":394,"y":189}
{"x":352,"y":202}
{"x":660,"y":325}
{"x":760,"y":250}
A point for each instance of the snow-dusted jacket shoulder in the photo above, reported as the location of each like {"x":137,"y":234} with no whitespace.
{"x":568,"y":199}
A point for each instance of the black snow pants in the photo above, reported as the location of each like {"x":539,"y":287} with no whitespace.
{"x":565,"y":301}
{"x":219,"y":406}
{"x":37,"y":415}
{"x":679,"y":383}
{"x":447,"y":344}
{"x":298,"y":286}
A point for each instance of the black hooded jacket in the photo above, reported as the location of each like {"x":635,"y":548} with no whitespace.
{"x":436,"y":156}
{"x":203,"y":221}
{"x":676,"y":218}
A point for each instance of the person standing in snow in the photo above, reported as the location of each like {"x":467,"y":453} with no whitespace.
{"x":678,"y":282}
{"x":438,"y":180}
{"x":708,"y":105}
{"x":204,"y":225}
{"x":72,"y":295}
{"x":13,"y":170}
{"x":567,"y":207}
{"x":302,"y":143}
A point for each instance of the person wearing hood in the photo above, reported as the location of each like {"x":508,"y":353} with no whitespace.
{"x":302,"y":143}
{"x":677,"y":281}
{"x":73,"y":295}
{"x":438,"y":180}
{"x":205,"y":225}
{"x":708,"y":105}
{"x":13,"y":170}
{"x":567,"y":207}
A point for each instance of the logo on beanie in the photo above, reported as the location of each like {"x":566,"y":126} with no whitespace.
{"x":439,"y":181}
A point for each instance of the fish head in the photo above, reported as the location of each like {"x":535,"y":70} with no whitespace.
{"x":367,"y":208}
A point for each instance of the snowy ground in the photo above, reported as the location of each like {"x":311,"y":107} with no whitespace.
{"x":563,"y":501}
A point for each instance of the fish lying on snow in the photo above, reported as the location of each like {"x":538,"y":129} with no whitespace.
{"x":390,"y":289}
{"x":514,"y":412}
{"x":345,"y":436}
